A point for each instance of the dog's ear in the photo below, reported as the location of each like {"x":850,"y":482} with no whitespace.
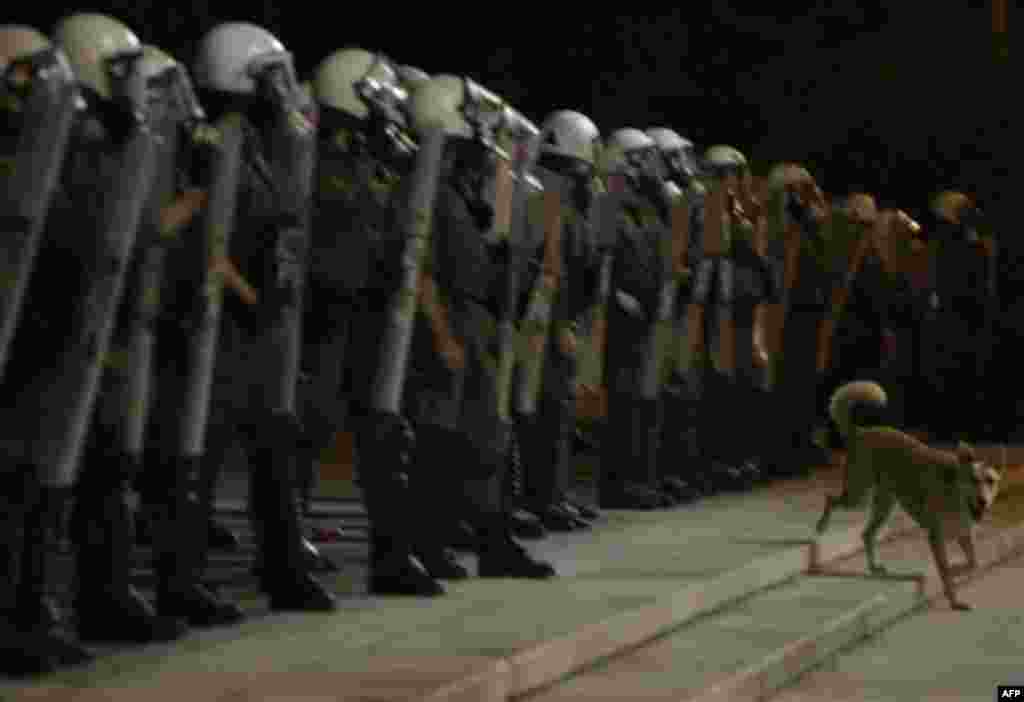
{"x":965,"y":453}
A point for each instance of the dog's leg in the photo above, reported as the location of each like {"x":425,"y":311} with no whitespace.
{"x":882,"y":504}
{"x":967,"y":546}
{"x":826,"y":516}
{"x":936,"y":539}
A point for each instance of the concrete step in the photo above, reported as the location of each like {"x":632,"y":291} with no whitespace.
{"x":978,"y":650}
{"x":714,"y":649}
{"x":765,"y":641}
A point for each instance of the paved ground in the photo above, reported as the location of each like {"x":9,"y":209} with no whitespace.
{"x":397,"y":648}
{"x":939,"y":655}
{"x":627,"y":561}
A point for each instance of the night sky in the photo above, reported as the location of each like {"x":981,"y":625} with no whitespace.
{"x":900,"y":101}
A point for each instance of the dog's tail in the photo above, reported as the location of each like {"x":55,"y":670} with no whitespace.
{"x":860,"y":403}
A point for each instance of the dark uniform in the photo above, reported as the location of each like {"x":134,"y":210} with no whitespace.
{"x":547,"y":441}
{"x":629,"y":451}
{"x":33,"y":512}
{"x":679,"y":451}
{"x":353,"y":206}
{"x":755,"y":283}
{"x":714,"y":288}
{"x":959,"y":340}
{"x":462,"y":442}
{"x":240,"y":407}
{"x":796,"y":377}
{"x":879,"y":304}
{"x":354,"y":274}
{"x":101,"y":520}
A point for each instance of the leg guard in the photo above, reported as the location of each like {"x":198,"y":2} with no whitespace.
{"x":285,"y":575}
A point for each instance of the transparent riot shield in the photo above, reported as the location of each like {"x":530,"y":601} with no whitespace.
{"x":292,"y":163}
{"x":218,"y":223}
{"x":28,"y":190}
{"x":164,"y":223}
{"x":608,"y":209}
{"x":389,"y":382}
{"x":70,"y":392}
{"x":674,"y":244}
{"x":536,"y":325}
{"x":510,"y":208}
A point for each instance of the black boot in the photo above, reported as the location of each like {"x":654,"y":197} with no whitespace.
{"x":285,"y":576}
{"x":386,"y":448}
{"x":20,"y":653}
{"x":586,"y":512}
{"x":629,"y":496}
{"x":718,"y":435}
{"x":676,"y":458}
{"x":502,"y":557}
{"x":616,"y":487}
{"x":521,"y":522}
{"x":108,"y":607}
{"x":646,"y":420}
{"x":183,"y":530}
{"x":429,"y":495}
{"x":556,"y":517}
{"x":32,"y":638}
{"x":743,"y":403}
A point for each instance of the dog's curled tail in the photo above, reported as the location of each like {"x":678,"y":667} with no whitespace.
{"x":859,"y":403}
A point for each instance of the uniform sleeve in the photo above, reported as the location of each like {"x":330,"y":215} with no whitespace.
{"x":462,"y":265}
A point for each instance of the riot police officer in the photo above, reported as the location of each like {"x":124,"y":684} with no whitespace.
{"x":632,"y":167}
{"x":682,"y":476}
{"x":718,"y":323}
{"x":364,"y":153}
{"x":119,"y":433}
{"x":451,"y":392}
{"x":963,"y":303}
{"x":39,"y":99}
{"x":569,"y":143}
{"x":243,"y":70}
{"x":799,"y":236}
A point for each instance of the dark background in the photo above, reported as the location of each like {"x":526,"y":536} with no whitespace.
{"x":898,"y":100}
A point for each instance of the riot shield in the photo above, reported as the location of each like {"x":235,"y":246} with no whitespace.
{"x":70,"y":394}
{"x":389,"y":382}
{"x":607,"y":211}
{"x":754,"y":199}
{"x":293,"y":160}
{"x":714,"y":246}
{"x":49,"y":114}
{"x":536,"y":324}
{"x":509,"y":202}
{"x":673,"y":253}
{"x":167,"y":215}
{"x":218,"y":223}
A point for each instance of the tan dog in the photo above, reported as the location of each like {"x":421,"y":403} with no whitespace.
{"x":946,"y":493}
